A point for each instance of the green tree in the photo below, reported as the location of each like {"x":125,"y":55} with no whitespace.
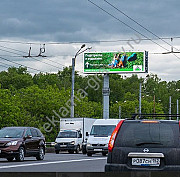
{"x":15,"y":77}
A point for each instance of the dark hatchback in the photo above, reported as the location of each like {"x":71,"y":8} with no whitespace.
{"x":20,"y":142}
{"x":142,"y":145}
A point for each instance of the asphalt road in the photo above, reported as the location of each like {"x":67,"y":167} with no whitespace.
{"x":52,"y":162}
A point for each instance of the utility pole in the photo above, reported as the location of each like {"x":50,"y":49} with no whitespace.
{"x":169,"y":107}
{"x":177,"y":110}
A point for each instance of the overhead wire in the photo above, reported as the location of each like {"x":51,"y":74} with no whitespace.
{"x":30,"y":57}
{"x":86,"y":42}
{"x":143,"y":27}
{"x":33,"y":57}
{"x":129,"y":26}
{"x":126,"y":24}
{"x":137,"y":23}
{"x":21,"y":64}
{"x":6,"y":64}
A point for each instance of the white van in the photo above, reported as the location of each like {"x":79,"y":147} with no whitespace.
{"x":99,"y":136}
{"x":72,"y":134}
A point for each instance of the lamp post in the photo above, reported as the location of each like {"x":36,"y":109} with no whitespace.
{"x":73,"y":77}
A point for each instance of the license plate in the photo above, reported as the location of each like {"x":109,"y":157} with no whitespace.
{"x":97,"y":149}
{"x":146,"y":161}
{"x":63,"y":145}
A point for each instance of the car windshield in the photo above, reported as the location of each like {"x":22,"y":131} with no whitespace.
{"x":67,"y":134}
{"x":147,"y":135}
{"x":102,"y":130}
{"x":11,"y":133}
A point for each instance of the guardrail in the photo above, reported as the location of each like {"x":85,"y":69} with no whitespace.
{"x":50,"y":147}
{"x":50,"y":144}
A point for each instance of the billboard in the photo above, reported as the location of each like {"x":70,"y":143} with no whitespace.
{"x":115,"y":62}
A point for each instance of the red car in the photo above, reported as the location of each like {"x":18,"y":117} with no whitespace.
{"x":20,"y":142}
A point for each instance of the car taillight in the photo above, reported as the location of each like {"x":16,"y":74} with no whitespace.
{"x":113,"y":136}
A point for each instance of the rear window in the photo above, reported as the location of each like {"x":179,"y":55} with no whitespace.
{"x":138,"y":134}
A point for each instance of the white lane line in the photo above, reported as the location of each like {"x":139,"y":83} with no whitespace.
{"x":46,"y":163}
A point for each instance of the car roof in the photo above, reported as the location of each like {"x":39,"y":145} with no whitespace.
{"x":159,"y":120}
{"x":107,"y":121}
{"x":19,"y":127}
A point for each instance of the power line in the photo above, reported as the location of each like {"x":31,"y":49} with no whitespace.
{"x":129,"y":26}
{"x":33,"y":57}
{"x":137,"y":23}
{"x":126,"y":24}
{"x":5,"y":64}
{"x":86,"y":42}
{"x":10,"y":56}
{"x":24,"y":52}
{"x":21,"y":64}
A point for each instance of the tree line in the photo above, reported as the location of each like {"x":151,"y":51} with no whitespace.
{"x":40,"y":100}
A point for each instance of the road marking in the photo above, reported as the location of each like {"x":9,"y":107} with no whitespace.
{"x":46,"y":163}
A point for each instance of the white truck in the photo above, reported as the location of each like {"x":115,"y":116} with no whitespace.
{"x":99,"y":136}
{"x":73,"y":133}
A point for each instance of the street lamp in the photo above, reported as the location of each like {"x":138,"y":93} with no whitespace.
{"x":73,"y":77}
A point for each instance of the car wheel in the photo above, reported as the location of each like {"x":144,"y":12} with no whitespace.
{"x":20,"y":156}
{"x":10,"y":159}
{"x":84,"y":150}
{"x":40,"y":155}
{"x":103,"y":153}
{"x":56,"y":151}
{"x":89,"y":154}
{"x":71,"y":152}
{"x":77,"y":150}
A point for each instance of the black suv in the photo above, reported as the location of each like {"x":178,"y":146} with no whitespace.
{"x":18,"y":142}
{"x":144,"y":145}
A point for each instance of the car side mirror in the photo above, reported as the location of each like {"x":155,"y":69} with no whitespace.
{"x":87,"y":134}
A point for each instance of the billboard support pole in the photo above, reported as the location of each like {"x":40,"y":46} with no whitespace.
{"x":106,"y":93}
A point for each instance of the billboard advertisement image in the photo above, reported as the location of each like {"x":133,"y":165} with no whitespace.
{"x":116,"y":62}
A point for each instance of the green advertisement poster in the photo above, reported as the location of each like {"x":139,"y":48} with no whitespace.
{"x":115,"y":62}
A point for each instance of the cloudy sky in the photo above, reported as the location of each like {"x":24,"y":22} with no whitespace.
{"x":64,"y":25}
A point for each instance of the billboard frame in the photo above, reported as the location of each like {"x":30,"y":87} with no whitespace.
{"x":105,"y":71}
